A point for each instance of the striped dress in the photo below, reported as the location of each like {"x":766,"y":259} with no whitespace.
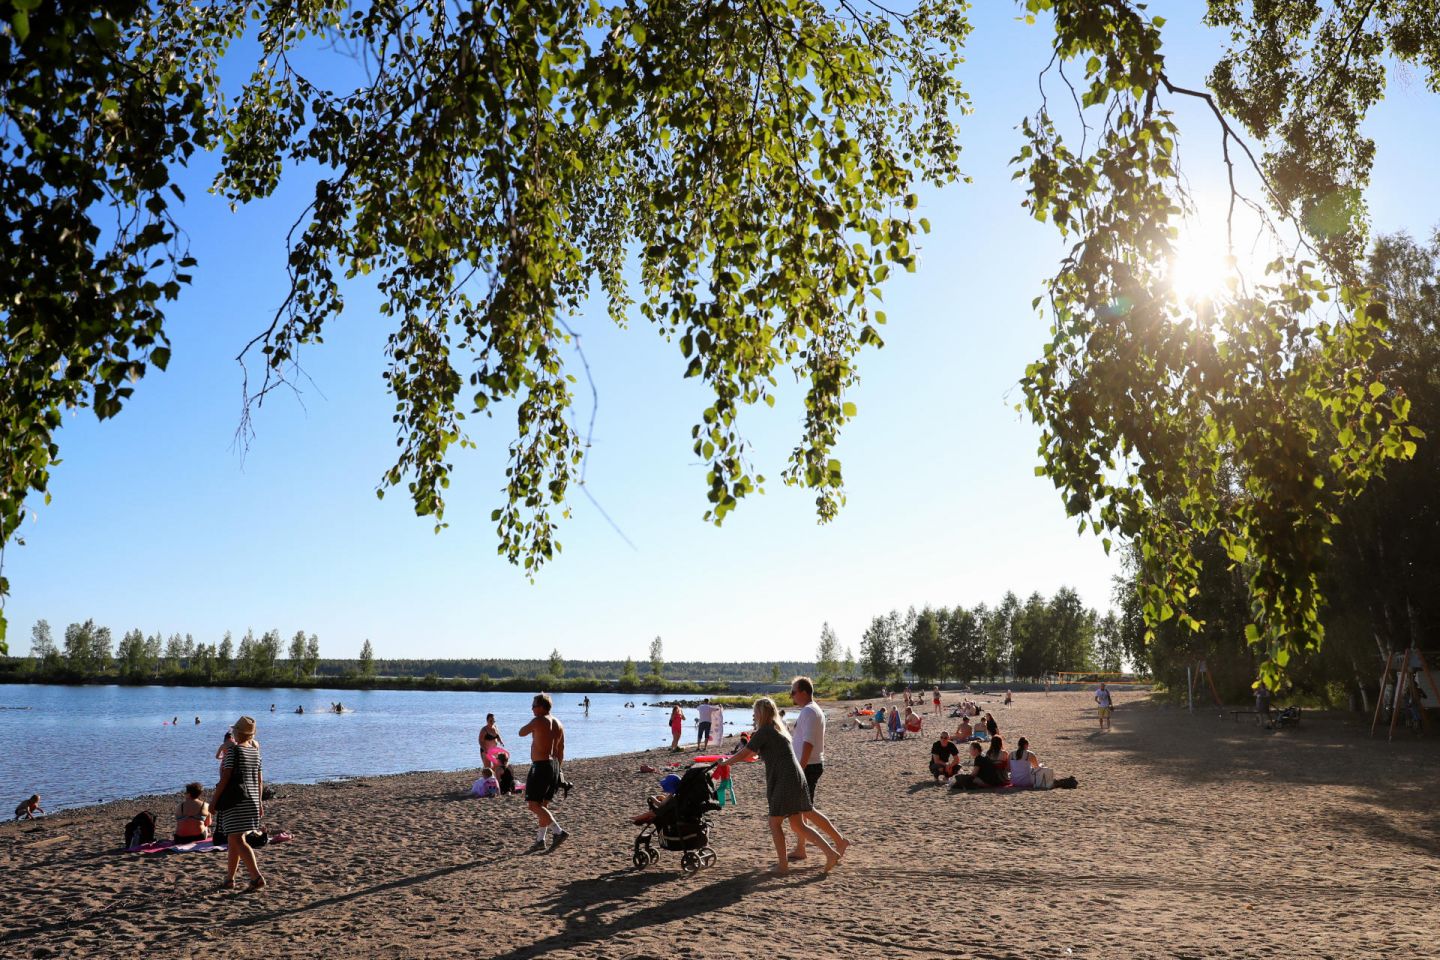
{"x":244,"y":815}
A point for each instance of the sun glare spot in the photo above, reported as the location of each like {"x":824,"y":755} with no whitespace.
{"x":1202,"y":268}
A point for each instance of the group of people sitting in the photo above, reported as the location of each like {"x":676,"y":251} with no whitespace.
{"x":891,"y":724}
{"x":497,"y":780}
{"x":991,"y":765}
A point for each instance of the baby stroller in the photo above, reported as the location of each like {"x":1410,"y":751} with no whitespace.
{"x":679,"y":822}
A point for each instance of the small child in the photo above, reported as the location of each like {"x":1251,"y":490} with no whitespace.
{"x":487,"y":785}
{"x":504,"y":774}
{"x":28,"y":808}
{"x":880,"y":723}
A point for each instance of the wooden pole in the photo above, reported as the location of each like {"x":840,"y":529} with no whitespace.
{"x":1380,"y":700}
{"x":1400,"y":679}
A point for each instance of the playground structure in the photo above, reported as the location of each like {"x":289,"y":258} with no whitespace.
{"x":1408,"y":668}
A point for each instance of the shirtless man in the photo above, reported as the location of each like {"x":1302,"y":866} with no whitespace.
{"x":547,"y":752}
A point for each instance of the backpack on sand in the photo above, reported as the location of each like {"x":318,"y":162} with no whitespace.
{"x":1067,"y":783}
{"x":140,"y":830}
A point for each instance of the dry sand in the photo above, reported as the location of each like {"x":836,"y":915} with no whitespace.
{"x":1189,"y":836}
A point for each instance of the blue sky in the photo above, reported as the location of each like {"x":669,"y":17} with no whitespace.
{"x":159,"y":522}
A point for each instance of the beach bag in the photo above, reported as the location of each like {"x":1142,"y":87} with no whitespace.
{"x":140,"y":830}
{"x":1067,"y":783}
{"x":1044,"y":778}
{"x":234,"y":792}
{"x":268,"y":793}
{"x":257,"y":838}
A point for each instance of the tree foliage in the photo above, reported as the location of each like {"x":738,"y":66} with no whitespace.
{"x":1252,"y":417}
{"x":657,"y":657}
{"x":742,"y":177}
{"x":827,"y":653}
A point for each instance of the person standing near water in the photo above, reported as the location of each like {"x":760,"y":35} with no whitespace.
{"x":490,"y":741}
{"x":785,"y":788}
{"x":677,"y":725}
{"x":238,"y":802}
{"x":547,"y":752}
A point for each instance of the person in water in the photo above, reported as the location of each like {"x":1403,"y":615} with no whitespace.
{"x":300,"y":709}
{"x":547,"y":752}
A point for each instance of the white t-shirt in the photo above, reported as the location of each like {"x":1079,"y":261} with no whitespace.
{"x":702,"y":712}
{"x":810,"y":728}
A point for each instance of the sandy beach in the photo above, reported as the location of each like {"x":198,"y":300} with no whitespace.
{"x":1189,"y":836}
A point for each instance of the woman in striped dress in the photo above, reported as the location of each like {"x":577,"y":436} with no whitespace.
{"x":238,"y":801}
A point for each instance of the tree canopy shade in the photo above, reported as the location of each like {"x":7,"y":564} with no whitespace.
{"x":753,"y":166}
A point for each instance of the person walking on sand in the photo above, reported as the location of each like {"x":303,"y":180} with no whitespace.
{"x":935,"y":699}
{"x":1106,"y":704}
{"x":547,"y":752}
{"x":809,"y":744}
{"x":785,"y":789}
{"x":238,"y":800}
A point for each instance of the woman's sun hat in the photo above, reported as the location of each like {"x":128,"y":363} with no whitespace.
{"x":244,"y":727}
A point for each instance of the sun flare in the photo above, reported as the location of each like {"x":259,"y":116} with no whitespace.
{"x":1202,"y":267}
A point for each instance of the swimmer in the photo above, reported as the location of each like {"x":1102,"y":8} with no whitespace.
{"x":197,"y":721}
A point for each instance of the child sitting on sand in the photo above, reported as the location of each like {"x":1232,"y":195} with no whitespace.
{"x":504,"y":774}
{"x":28,"y":808}
{"x":487,"y":785}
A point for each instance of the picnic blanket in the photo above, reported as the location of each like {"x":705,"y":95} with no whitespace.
{"x":197,"y":846}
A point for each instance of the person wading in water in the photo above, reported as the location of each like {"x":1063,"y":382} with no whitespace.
{"x":547,"y":752}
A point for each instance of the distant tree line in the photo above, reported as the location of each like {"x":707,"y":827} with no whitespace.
{"x":88,"y":652}
{"x":1013,"y":639}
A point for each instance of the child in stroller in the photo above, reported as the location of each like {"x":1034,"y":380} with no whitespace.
{"x":679,"y":822}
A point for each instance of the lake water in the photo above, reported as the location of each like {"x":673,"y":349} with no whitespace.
{"x":75,"y":745}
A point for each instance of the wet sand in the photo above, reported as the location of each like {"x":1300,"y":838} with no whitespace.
{"x":1189,"y":836}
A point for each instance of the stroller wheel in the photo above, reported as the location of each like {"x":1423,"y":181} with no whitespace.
{"x":641,"y":860}
{"x":653,"y":854}
{"x":707,"y":857}
{"x":689,"y":862}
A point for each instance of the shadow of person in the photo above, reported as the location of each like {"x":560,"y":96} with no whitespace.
{"x":592,"y":909}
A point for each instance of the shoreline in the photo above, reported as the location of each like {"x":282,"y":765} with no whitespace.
{"x":1307,"y":843}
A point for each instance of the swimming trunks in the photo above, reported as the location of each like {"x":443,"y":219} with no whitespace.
{"x":543,"y":781}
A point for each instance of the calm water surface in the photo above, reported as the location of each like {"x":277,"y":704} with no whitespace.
{"x":89,"y":744}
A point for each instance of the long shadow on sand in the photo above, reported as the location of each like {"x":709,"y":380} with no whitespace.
{"x":1400,"y":778}
{"x":590,"y":908}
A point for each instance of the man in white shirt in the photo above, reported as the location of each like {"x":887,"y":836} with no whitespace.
{"x":702,"y":727}
{"x":809,"y":743}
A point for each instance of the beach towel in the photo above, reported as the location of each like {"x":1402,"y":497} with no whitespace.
{"x":197,"y":846}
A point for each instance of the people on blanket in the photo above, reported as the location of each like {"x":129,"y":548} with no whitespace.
{"x":193,"y":819}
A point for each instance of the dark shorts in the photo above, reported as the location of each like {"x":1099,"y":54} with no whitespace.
{"x":543,"y":781}
{"x":702,"y":731}
{"x":813,"y":772}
